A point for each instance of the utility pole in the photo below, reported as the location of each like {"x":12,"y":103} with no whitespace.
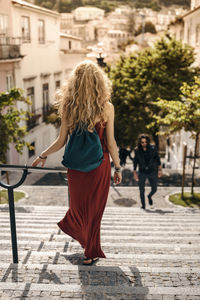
{"x":143,"y":26}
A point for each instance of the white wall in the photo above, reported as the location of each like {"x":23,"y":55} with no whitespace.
{"x":42,"y":63}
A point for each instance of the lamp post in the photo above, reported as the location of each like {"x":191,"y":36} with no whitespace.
{"x":143,"y":26}
{"x":100,"y":60}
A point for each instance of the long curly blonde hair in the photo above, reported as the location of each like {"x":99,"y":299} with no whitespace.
{"x":82,"y":99}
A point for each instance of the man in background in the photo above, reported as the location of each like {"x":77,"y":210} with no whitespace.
{"x":148,"y":160}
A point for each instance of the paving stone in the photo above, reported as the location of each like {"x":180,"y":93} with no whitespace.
{"x":150,"y":255}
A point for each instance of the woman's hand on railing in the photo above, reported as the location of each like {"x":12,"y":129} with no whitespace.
{"x":117,"y":177}
{"x":39,"y":160}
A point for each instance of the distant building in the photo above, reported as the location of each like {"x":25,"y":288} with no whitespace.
{"x":194,"y":4}
{"x":34,"y":56}
{"x":117,"y":37}
{"x":187,"y":29}
{"x":67,"y":22}
{"x":70,"y":44}
{"x":88,"y":13}
{"x":86,"y":31}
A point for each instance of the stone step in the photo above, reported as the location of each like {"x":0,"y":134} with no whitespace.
{"x":178,"y":210}
{"x":111,"y":212}
{"x":114,"y":247}
{"x":132,"y":222}
{"x":114,"y":229}
{"x":149,"y":256}
{"x":154,"y":213}
{"x":75,"y":291}
{"x":75,"y":268}
{"x":73,"y":274}
{"x":137,"y":262}
{"x":108,"y":232}
{"x":126,"y":238}
{"x":114,"y":256}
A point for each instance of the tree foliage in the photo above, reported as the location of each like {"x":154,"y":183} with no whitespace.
{"x":148,"y":27}
{"x":141,"y":78}
{"x":10,"y":117}
{"x":66,"y":6}
{"x":184,"y":114}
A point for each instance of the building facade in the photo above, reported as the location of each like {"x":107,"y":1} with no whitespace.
{"x":88,"y":13}
{"x":43,"y":60}
{"x":186,"y":29}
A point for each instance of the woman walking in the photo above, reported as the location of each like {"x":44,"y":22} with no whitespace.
{"x":85,"y":102}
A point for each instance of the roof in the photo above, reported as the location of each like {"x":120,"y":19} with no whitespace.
{"x":90,"y":8}
{"x":191,"y":11}
{"x":117,"y":31}
{"x":70,"y":36}
{"x":35,"y":7}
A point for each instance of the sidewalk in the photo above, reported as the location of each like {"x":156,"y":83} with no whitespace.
{"x":118,"y":196}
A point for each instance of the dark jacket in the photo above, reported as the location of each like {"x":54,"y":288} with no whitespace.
{"x":148,"y":160}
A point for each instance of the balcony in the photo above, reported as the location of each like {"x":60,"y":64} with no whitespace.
{"x":46,"y":109}
{"x":9,"y":48}
{"x":34,"y":119}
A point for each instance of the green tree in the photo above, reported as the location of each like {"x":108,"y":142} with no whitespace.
{"x":175,"y":2}
{"x":141,"y":78}
{"x":47,"y":4}
{"x":148,"y":27}
{"x":184,"y":114}
{"x":153,"y":4}
{"x":10,"y":117}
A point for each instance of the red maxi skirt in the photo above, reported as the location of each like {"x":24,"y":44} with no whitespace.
{"x":88,"y":197}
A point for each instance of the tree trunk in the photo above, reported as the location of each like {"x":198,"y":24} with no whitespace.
{"x":183,"y":176}
{"x":194,"y":165}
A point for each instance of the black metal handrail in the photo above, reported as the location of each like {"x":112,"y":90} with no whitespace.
{"x":26,"y":170}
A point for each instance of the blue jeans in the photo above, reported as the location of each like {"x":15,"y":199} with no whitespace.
{"x":153,"y":179}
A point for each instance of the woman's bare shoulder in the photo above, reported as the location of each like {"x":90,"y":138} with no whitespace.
{"x":109,"y":107}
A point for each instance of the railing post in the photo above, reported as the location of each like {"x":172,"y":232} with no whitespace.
{"x":10,"y":189}
{"x":13,"y":224}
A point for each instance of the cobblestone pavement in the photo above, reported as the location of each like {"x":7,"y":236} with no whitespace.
{"x":151,"y":254}
{"x":118,"y":196}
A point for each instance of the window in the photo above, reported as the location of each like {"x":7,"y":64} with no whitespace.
{"x":33,"y":118}
{"x":57,"y":83}
{"x":9,"y":81}
{"x":188,"y":35}
{"x":41,"y":32}
{"x":31,"y":152}
{"x":26,"y":35}
{"x":198,"y":34}
{"x":45,"y":96}
{"x":70,"y":45}
{"x":3,"y":24}
{"x":181,"y":34}
{"x":31,"y":96}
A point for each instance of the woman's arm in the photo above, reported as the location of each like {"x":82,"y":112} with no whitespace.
{"x":111,"y":143}
{"x":55,"y":146}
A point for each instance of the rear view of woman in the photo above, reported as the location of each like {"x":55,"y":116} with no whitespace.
{"x":84,"y":102}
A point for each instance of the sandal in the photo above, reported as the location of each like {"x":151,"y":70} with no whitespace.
{"x":89,"y":261}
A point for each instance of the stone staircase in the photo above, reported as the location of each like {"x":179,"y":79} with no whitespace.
{"x":153,"y":254}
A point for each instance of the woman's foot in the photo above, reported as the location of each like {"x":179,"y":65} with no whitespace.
{"x":89,"y":261}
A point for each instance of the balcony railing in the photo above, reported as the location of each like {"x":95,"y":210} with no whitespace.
{"x":34,"y":119}
{"x":45,"y":111}
{"x":38,"y":116}
{"x":9,"y":47}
